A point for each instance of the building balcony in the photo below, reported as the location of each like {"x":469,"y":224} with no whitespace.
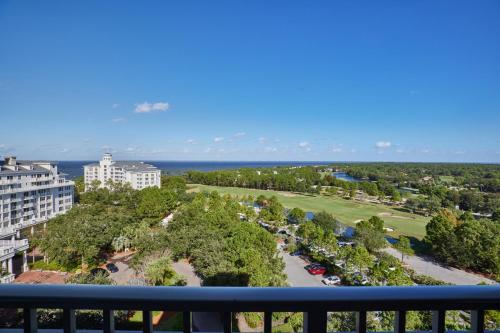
{"x":17,"y":245}
{"x":314,"y":303}
{"x":6,"y":252}
{"x":9,"y":278}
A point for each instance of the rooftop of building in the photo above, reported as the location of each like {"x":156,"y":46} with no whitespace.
{"x":133,"y":166}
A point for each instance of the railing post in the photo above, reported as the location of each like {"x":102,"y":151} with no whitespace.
{"x":30,"y":320}
{"x":69,"y":321}
{"x":186,"y":322}
{"x":268,"y":322}
{"x":477,"y":321}
{"x":315,"y":322}
{"x":361,"y":322}
{"x":109,"y":321}
{"x":438,"y":321}
{"x":400,"y":322}
{"x":147,"y":321}
{"x":227,"y":322}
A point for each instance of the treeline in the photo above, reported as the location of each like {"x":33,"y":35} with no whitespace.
{"x":301,"y":179}
{"x":437,"y":197}
{"x":483,"y":177}
{"x":465,"y":242}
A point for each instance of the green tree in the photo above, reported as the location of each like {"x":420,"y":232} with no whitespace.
{"x":371,"y":234}
{"x":326,"y":221}
{"x":156,"y":202}
{"x":404,"y":246}
{"x":296,"y":216}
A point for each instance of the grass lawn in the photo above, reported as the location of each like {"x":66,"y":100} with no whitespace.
{"x":347,"y":211}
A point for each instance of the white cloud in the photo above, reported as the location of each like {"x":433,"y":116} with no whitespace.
{"x":208,"y":150}
{"x":118,"y":120}
{"x":262,"y":139}
{"x":400,"y":151}
{"x":161,"y":106}
{"x":460,"y":152}
{"x":64,"y":150}
{"x":425,"y":151}
{"x":337,"y":150}
{"x":218,"y":139}
{"x":240,"y":134}
{"x":303,"y":144}
{"x":270,"y":149}
{"x":2,"y":146}
{"x":115,"y":105}
{"x":191,"y":141}
{"x":150,"y":107}
{"x":383,"y":144}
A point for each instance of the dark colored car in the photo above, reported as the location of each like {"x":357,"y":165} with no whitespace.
{"x":308,"y":267}
{"x":112,"y":267}
{"x":99,"y":271}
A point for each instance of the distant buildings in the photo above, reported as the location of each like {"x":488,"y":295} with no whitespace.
{"x":138,"y":174}
{"x":31,"y":192}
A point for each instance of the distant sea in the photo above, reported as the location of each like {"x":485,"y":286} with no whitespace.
{"x":74,"y":169}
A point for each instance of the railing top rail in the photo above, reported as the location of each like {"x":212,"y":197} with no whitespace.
{"x":251,"y":299}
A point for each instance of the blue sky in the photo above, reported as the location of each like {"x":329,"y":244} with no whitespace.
{"x":251,"y":80}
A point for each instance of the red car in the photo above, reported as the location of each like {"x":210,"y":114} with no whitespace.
{"x":317,"y":270}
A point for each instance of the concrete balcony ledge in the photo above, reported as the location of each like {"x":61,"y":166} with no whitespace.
{"x":7,"y":278}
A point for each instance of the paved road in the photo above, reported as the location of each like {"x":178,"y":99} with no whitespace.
{"x":124,"y":275}
{"x":202,"y":321}
{"x":429,"y":267}
{"x":297,"y":275}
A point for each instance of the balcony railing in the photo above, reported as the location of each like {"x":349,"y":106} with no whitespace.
{"x":315,"y":303}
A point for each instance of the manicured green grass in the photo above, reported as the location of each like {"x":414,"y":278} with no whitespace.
{"x":347,"y":211}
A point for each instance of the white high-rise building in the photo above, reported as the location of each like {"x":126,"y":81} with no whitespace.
{"x":31,"y":192}
{"x":138,"y":174}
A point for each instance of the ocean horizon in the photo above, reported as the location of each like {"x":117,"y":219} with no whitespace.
{"x":74,"y":169}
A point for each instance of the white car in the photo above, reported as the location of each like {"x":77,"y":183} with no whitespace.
{"x":331,"y":280}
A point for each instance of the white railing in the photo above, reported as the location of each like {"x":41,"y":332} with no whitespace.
{"x":38,"y":187}
{"x":16,"y":244}
{"x":9,"y":278}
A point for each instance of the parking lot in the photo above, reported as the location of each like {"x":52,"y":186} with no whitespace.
{"x":297,"y":275}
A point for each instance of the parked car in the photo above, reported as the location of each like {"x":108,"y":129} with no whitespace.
{"x":331,"y":280}
{"x":312,"y":265}
{"x":317,"y":270}
{"x":360,"y":279}
{"x":99,"y":271}
{"x":112,"y":267}
{"x":297,"y":253}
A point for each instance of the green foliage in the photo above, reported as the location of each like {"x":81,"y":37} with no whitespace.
{"x":156,"y":202}
{"x":222,"y":249}
{"x":404,"y":246}
{"x":326,"y":221}
{"x":174,"y":183}
{"x":371,"y":234}
{"x":273,"y":211}
{"x":80,"y":236}
{"x":468,"y":243}
{"x":296,"y":216}
{"x":159,"y":272}
{"x":303,"y":179}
